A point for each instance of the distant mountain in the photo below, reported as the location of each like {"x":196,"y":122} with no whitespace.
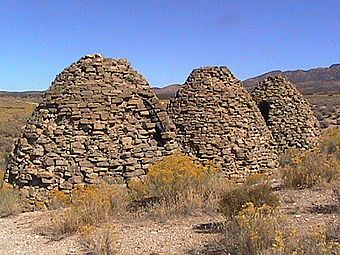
{"x":314,"y":81}
{"x":167,"y":92}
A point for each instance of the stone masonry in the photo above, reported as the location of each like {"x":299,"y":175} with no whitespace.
{"x":217,"y":120}
{"x":287,"y":114}
{"x":98,"y":121}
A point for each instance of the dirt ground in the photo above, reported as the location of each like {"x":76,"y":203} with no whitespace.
{"x":20,"y":235}
{"x":302,"y":209}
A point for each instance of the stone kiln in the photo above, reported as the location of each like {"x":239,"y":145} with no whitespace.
{"x":217,"y":120}
{"x":99,"y":120}
{"x":287,"y":114}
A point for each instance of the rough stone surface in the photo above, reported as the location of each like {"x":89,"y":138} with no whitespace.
{"x":287,"y":114}
{"x":217,"y":120}
{"x":99,"y":120}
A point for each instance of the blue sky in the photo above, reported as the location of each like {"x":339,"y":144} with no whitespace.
{"x":165,"y":40}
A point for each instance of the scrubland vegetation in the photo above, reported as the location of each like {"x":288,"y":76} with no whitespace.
{"x":178,"y":186}
{"x":261,"y":230}
{"x":13,"y":115}
{"x":10,"y":201}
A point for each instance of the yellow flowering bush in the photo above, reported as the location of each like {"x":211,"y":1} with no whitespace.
{"x":330,"y":142}
{"x":174,"y":175}
{"x":58,"y":199}
{"x":90,"y":206}
{"x":182,"y":186}
{"x":261,"y":231}
{"x":252,"y":230}
{"x":316,"y":243}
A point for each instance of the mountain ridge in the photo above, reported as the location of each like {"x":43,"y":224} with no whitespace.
{"x":319,"y":80}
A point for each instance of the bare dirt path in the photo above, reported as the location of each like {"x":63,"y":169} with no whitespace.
{"x":177,"y":236}
{"x":18,"y":235}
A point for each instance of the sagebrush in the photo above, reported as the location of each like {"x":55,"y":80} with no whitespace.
{"x":99,"y":241}
{"x":311,"y":168}
{"x":89,"y":206}
{"x":262,"y":231}
{"x":181,"y":184}
{"x":255,"y":190}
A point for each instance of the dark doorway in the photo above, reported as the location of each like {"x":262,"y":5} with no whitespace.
{"x":264,"y":107}
{"x":160,"y":128}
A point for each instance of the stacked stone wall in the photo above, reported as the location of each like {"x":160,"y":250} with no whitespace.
{"x":217,"y":120}
{"x":98,"y":121}
{"x":287,"y":114}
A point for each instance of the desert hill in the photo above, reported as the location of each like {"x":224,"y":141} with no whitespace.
{"x":313,"y":81}
{"x":321,"y":80}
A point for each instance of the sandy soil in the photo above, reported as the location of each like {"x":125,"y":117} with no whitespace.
{"x":20,"y":234}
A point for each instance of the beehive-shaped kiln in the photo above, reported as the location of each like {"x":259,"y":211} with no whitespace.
{"x":98,"y":121}
{"x":217,"y":120}
{"x":287,"y":114}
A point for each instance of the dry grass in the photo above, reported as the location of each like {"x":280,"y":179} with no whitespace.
{"x":2,"y":175}
{"x":58,"y":199}
{"x":318,"y":167}
{"x":262,"y":231}
{"x":90,"y":206}
{"x":101,"y":241}
{"x":13,"y":116}
{"x":181,"y":185}
{"x":330,"y":143}
{"x":253,"y":230}
{"x":10,"y":202}
{"x":310,"y":169}
{"x":255,"y":190}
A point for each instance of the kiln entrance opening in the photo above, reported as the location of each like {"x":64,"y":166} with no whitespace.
{"x":264,"y":107}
